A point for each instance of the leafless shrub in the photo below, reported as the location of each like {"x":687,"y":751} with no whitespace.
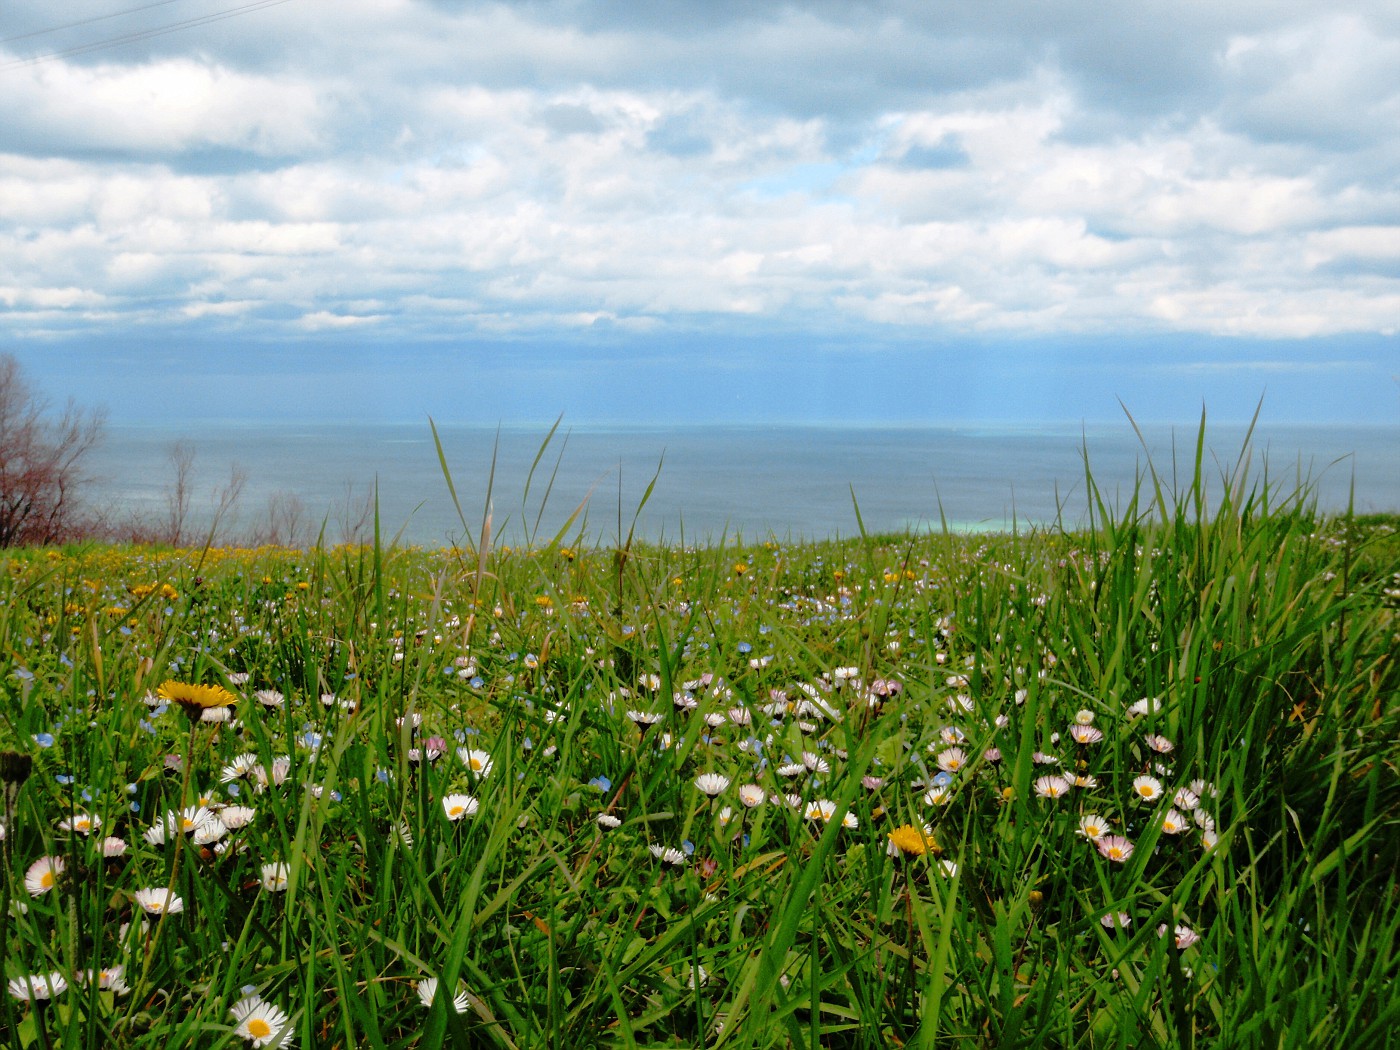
{"x":41,"y":461}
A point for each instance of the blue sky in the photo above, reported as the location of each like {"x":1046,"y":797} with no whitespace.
{"x":704,"y":212}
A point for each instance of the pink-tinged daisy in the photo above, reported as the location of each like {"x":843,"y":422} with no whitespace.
{"x":1115,"y":847}
{"x":235,"y":817}
{"x":1186,"y":799}
{"x":815,"y":763}
{"x":1148,"y":789}
{"x":113,"y":847}
{"x":1116,"y":920}
{"x":42,"y":875}
{"x":1159,"y":744}
{"x":1052,"y":787}
{"x":1085,"y":734}
{"x":38,"y":986}
{"x":1185,"y":936}
{"x":158,"y":901}
{"x":259,"y":1022}
{"x":458,"y":806}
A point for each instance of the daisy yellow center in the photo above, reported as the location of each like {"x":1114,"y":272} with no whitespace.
{"x":476,"y":763}
{"x":1116,"y":852}
{"x":1145,"y":790}
{"x":46,"y":880}
{"x":258,"y":1028}
{"x":456,"y":811}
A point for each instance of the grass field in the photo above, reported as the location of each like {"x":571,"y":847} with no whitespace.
{"x":1132,"y":785}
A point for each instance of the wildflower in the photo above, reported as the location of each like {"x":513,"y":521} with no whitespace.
{"x":112,"y":847}
{"x":195,"y":700}
{"x":458,"y":806}
{"x":911,"y":841}
{"x":1052,"y":787}
{"x":645,"y":718}
{"x":112,"y":979}
{"x":1203,"y":820}
{"x":1083,"y":734}
{"x":235,"y":817}
{"x":820,"y":809}
{"x":1115,"y":847}
{"x":1159,"y":744}
{"x":427,"y":991}
{"x":952,"y":759}
{"x":938,"y":795}
{"x":1209,"y":839}
{"x":607,"y":821}
{"x":1092,"y":827}
{"x":159,"y":901}
{"x":668,"y":854}
{"x":269,"y":698}
{"x":259,"y":1022}
{"x":241,"y":767}
{"x":275,"y":877}
{"x":1083,"y":718}
{"x":815,"y":763}
{"x":38,"y":986}
{"x":751,"y":795}
{"x":1185,"y":936}
{"x":1116,"y":920}
{"x":1186,"y":799}
{"x":82,"y":823}
{"x":1149,"y":789}
{"x":1145,"y":706}
{"x":711,"y":783}
{"x":42,"y":875}
{"x":1173,"y":823}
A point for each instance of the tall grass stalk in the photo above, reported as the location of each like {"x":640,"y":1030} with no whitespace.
{"x":481,"y":766}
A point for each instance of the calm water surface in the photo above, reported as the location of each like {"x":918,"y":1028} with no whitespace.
{"x":787,"y":482}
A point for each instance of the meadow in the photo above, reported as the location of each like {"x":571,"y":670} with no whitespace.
{"x":1131,"y":783}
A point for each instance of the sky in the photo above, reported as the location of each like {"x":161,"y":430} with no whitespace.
{"x":865,"y":211}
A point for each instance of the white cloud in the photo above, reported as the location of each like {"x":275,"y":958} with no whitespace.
{"x":500,"y":168}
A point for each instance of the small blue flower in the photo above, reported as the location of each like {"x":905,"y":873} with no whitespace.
{"x":44,"y":739}
{"x":744,"y":647}
{"x":382,"y":775}
{"x":601,"y":783}
{"x":63,"y":778}
{"x":689,"y":847}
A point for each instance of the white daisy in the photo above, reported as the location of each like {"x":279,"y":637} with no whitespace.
{"x":259,"y":1022}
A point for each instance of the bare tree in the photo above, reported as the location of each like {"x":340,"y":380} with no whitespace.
{"x":177,"y":497}
{"x":41,"y":460}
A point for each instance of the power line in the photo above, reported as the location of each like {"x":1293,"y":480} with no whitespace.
{"x":85,"y":21}
{"x":145,"y":34}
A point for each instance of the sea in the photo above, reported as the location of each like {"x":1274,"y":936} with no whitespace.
{"x":711,"y":484}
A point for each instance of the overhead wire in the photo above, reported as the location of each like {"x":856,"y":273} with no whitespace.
{"x":144,"y":34}
{"x":85,"y":21}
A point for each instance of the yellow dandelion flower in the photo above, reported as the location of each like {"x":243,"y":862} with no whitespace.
{"x":194,"y":699}
{"x":912,"y":841}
